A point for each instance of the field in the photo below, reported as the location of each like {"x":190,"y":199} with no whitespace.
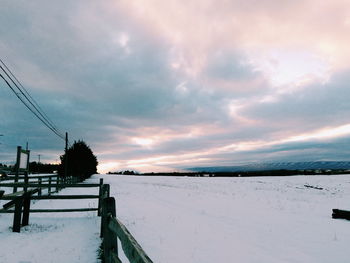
{"x":192,"y":219}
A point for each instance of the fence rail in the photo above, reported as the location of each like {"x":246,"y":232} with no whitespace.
{"x":46,"y":185}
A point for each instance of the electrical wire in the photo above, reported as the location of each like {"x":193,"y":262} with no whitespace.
{"x":25,"y":90}
{"x":47,"y":122}
{"x":28,"y":101}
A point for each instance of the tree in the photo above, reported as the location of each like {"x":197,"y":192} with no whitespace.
{"x":82,"y":163}
{"x":36,"y":167}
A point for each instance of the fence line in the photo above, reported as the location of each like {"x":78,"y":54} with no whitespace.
{"x":111,"y":228}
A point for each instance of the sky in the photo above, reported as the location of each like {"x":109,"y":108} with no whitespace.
{"x":154,"y":85}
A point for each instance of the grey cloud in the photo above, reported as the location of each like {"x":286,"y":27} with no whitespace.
{"x":226,"y":65}
{"x":68,"y":56}
{"x":313,"y":107}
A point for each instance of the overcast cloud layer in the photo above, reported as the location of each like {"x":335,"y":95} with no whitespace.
{"x":159,"y":85}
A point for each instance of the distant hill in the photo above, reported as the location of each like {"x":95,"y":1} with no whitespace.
{"x":321,"y":165}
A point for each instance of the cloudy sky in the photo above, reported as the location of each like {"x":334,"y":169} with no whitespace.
{"x":162,"y":85}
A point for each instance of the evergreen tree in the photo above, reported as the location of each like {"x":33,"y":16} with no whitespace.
{"x":82,"y":163}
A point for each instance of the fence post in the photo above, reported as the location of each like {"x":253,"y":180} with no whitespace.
{"x":19,"y":149}
{"x":100,"y":197}
{"x":109,"y":237}
{"x":57,"y":179}
{"x":26,"y":181}
{"x":17,"y":216}
{"x":26,"y":209}
{"x":105,"y":194}
{"x":39,"y":182}
{"x":49,"y":188}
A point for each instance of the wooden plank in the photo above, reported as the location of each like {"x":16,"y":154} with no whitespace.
{"x":4,"y":211}
{"x":342,"y":214}
{"x":47,"y":197}
{"x":62,"y":210}
{"x":9,"y":177}
{"x":46,"y":185}
{"x":54,"y":197}
{"x":12,"y":195}
{"x":132,"y":249}
{"x":11,"y":203}
{"x":14,"y":198}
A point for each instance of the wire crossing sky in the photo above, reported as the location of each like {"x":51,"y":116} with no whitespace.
{"x":159,"y":85}
{"x":23,"y":95}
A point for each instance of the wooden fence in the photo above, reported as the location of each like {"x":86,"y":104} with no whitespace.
{"x":20,"y":200}
{"x":52,"y":181}
{"x":111,"y":228}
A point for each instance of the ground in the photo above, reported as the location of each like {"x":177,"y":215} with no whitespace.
{"x":189,"y":219}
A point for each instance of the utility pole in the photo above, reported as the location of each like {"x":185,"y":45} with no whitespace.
{"x":39,"y":158}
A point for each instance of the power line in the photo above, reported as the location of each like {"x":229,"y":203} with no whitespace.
{"x":25,"y":90}
{"x":48,"y":122}
{"x":28,"y":101}
{"x":28,"y":107}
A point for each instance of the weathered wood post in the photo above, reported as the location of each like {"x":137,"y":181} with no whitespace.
{"x":26,"y":181}
{"x":100,"y":197}
{"x":26,"y":208}
{"x":16,"y":227}
{"x":105,"y":194}
{"x":39,"y":182}
{"x":19,"y":150}
{"x":109,"y":238}
{"x":57,"y":181}
{"x":49,"y":188}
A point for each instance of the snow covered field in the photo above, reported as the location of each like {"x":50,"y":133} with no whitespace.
{"x":266,"y":219}
{"x":191,"y":219}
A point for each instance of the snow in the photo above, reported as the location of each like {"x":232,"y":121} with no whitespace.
{"x":261,"y":219}
{"x":192,"y":219}
{"x":53,"y":237}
